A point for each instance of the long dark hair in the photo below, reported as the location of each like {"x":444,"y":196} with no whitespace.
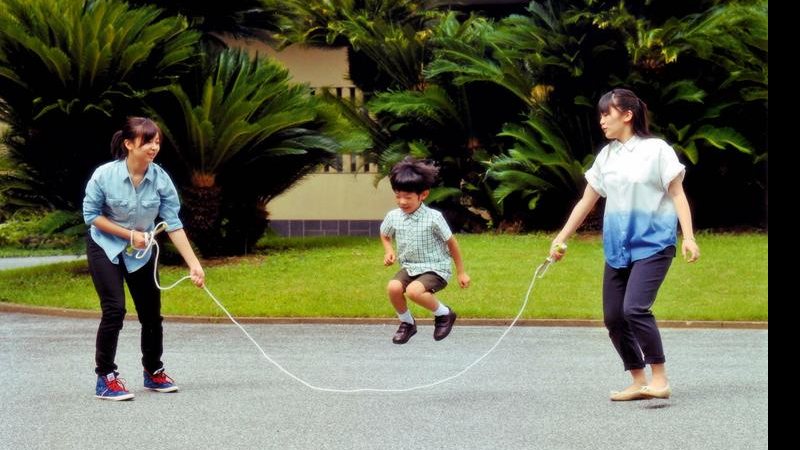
{"x":625,"y":100}
{"x":135,"y":127}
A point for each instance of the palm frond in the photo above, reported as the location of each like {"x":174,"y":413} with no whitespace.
{"x":70,"y":65}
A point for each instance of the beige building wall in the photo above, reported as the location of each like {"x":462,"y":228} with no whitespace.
{"x":334,"y":196}
{"x":328,"y":202}
{"x":315,"y":66}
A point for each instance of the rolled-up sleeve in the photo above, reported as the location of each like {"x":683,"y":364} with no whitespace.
{"x":669,"y":166}
{"x":170,"y":204}
{"x":93,"y":200}
{"x":594,"y":176}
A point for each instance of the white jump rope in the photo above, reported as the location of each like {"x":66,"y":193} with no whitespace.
{"x":538,"y":273}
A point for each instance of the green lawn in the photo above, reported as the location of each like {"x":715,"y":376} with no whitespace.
{"x":12,"y":252}
{"x":344,"y":277}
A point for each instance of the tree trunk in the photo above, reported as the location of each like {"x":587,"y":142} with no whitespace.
{"x":201,"y":205}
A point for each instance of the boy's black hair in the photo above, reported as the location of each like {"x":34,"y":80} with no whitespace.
{"x":412,"y":175}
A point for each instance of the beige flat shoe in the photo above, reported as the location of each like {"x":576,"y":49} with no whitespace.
{"x":651,"y":392}
{"x":627,"y":395}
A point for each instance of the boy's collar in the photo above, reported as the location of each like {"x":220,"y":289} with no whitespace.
{"x":417,"y":212}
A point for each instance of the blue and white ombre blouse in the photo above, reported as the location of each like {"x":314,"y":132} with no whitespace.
{"x":111,"y":193}
{"x":640,"y":218}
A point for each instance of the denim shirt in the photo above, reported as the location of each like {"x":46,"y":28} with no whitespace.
{"x":110,"y":193}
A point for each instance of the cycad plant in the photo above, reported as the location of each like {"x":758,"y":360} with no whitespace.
{"x":703,"y":68}
{"x":540,"y":162}
{"x":243,"y":133}
{"x":70,"y":71}
{"x":216,"y":19}
{"x":385,"y":38}
{"x":452,"y":123}
{"x":705,"y":65}
{"x":545,"y":62}
{"x":319,"y":22}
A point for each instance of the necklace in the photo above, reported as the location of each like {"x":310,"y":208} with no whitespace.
{"x":136,"y":180}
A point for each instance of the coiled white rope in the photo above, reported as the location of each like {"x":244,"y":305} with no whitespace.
{"x":538,"y":273}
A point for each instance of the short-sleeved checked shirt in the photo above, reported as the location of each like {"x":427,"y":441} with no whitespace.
{"x":421,"y":240}
{"x":640,"y":219}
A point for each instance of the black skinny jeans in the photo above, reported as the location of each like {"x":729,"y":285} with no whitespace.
{"x":108,"y":281}
{"x":628,"y":295}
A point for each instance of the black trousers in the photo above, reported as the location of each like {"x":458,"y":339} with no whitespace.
{"x":108,"y":280}
{"x":628,"y":295}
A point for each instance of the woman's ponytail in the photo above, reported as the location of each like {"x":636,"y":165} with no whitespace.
{"x":118,"y":149}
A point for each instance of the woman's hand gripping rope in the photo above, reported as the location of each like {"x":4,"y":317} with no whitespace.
{"x":557,"y":251}
{"x":149,"y":240}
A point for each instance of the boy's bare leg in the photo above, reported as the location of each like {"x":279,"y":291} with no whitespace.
{"x":395,"y":291}
{"x":445,"y":317}
{"x":417,"y":292}
{"x":407,"y":326}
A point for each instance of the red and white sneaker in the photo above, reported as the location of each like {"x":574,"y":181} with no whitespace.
{"x":159,"y":381}
{"x":109,"y":387}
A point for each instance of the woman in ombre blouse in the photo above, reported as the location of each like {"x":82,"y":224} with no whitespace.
{"x":641,"y":179}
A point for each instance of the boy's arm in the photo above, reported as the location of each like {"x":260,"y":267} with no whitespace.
{"x":455,"y":252}
{"x":388,"y":250}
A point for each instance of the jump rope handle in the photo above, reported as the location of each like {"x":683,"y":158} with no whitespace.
{"x":149,"y":236}
{"x":560,"y":248}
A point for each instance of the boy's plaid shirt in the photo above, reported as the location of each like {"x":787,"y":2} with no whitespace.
{"x":421,"y":240}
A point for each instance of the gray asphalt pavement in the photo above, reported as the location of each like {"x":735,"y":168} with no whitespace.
{"x":543,"y":388}
{"x":28,"y":261}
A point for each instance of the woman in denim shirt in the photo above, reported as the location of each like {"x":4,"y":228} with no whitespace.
{"x":123,"y":199}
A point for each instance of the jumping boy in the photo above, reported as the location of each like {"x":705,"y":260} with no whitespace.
{"x":425,"y":245}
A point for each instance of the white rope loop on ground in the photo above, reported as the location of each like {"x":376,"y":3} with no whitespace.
{"x":538,"y":273}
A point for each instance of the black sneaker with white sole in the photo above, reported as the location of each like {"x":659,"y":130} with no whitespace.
{"x":443,"y":325}
{"x":404,"y":333}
